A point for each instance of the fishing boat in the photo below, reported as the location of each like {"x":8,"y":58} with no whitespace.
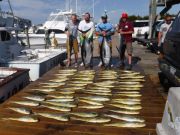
{"x":13,"y":54}
{"x":11,"y":81}
{"x":57,"y":23}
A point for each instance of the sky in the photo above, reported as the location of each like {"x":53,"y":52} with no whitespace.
{"x":38,"y":10}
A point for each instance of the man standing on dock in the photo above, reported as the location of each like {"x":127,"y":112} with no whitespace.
{"x":104,"y":29}
{"x":162,"y":34}
{"x":72,"y":42}
{"x":126,"y":30}
{"x":85,"y":25}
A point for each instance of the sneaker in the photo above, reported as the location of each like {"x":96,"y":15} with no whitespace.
{"x":81,"y":64}
{"x":68,"y":64}
{"x":129,"y":67}
{"x":100,"y":64}
{"x":76,"y":65}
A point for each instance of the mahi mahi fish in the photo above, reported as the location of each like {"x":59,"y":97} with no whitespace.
{"x":91,"y":102}
{"x":91,"y":106}
{"x":125,"y":102}
{"x":132,"y":80}
{"x":93,"y":120}
{"x":61,"y":96}
{"x":125,"y":88}
{"x":125,"y":118}
{"x":57,"y":108}
{"x":127,"y":99}
{"x":125,"y":112}
{"x":98,"y":93}
{"x":61,"y":100}
{"x":128,"y":107}
{"x":103,"y":91}
{"x":23,"y":119}
{"x":85,"y":114}
{"x":97,"y":98}
{"x":44,"y":90}
{"x":35,"y":98}
{"x":126,"y":125}
{"x":21,"y":110}
{"x":59,"y":80}
{"x":131,"y":86}
{"x":27,"y":103}
{"x":61,"y":104}
{"x":59,"y":117}
{"x":129,"y":83}
{"x":128,"y":95}
{"x":132,"y":77}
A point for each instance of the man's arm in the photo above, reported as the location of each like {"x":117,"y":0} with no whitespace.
{"x":159,"y":37}
{"x":160,"y":34}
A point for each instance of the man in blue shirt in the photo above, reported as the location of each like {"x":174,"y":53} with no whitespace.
{"x":104,"y":29}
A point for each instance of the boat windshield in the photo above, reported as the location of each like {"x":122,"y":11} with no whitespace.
{"x":56,"y":18}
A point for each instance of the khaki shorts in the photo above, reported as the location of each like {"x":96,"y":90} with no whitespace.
{"x":72,"y":45}
{"x":129,"y":48}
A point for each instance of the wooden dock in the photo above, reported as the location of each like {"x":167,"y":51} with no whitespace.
{"x":152,"y":110}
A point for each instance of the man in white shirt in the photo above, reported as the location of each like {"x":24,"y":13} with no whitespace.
{"x":162,"y":33}
{"x":86,"y":25}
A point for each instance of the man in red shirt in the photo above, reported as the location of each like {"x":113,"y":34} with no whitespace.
{"x":126,"y":30}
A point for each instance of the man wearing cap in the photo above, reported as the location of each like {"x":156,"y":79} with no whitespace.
{"x":104,"y":29}
{"x":162,"y":33}
{"x":126,"y":30}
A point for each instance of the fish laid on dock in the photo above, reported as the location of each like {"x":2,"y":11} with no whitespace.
{"x":96,"y":98}
{"x":93,"y":120}
{"x":98,"y":93}
{"x":44,"y":90}
{"x":57,"y":108}
{"x":125,"y":102}
{"x":61,"y":104}
{"x":59,"y":117}
{"x":91,"y":106}
{"x":128,"y":107}
{"x":85,"y":114}
{"x":27,"y":119}
{"x":125,"y":118}
{"x":130,"y":112}
{"x":126,"y":125}
{"x":21,"y":110}
{"x":35,"y":98}
{"x":91,"y":102}
{"x":61,"y":100}
{"x":61,"y":96}
{"x":27,"y":103}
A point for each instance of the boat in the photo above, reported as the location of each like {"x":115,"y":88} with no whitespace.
{"x":57,"y":23}
{"x":13,"y":54}
{"x":11,"y":81}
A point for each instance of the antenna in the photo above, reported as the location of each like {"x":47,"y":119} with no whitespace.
{"x":76,"y":6}
{"x":11,"y":11}
{"x":93,"y":8}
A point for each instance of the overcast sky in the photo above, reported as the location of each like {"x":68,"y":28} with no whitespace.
{"x":39,"y":10}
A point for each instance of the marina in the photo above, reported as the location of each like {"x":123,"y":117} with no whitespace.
{"x":85,"y":70}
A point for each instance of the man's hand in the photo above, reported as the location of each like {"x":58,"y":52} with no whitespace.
{"x":104,"y":33}
{"x":83,"y":35}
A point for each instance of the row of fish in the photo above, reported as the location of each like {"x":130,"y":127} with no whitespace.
{"x":120,"y":90}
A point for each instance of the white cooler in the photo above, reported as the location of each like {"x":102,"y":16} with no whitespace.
{"x":171,"y":119}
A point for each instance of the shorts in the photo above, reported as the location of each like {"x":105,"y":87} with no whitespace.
{"x":72,"y":44}
{"x":123,"y":47}
{"x":129,"y":48}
